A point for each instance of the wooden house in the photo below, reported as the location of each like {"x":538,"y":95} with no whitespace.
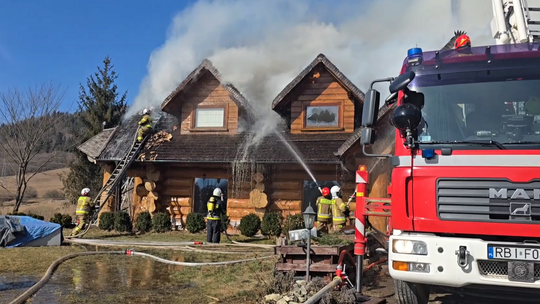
{"x":203,"y":141}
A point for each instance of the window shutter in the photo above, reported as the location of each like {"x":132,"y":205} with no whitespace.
{"x":209,"y":118}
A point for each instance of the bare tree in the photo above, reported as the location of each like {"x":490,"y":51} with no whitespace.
{"x":28,"y":118}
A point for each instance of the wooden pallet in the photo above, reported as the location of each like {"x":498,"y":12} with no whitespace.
{"x":323,"y":260}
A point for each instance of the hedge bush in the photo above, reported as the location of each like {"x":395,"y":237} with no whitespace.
{"x":161,"y":222}
{"x":144,"y":222}
{"x":65,"y":220}
{"x":122,"y":222}
{"x":225,"y":222}
{"x":271,"y":224}
{"x":293,"y":222}
{"x":249,"y":225}
{"x":195,"y":222}
{"x":106,"y":221}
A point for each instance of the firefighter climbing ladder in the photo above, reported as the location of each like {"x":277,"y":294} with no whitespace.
{"x":117,"y":176}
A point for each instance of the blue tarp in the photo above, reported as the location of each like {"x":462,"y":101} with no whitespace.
{"x":35,"y":229}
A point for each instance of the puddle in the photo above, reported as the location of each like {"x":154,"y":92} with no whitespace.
{"x":105,"y":279}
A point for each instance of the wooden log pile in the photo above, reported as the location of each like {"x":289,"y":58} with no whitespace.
{"x":153,"y":142}
{"x":149,"y":189}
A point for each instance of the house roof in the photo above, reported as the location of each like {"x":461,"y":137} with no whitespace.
{"x":230,"y":148}
{"x":384,"y":111}
{"x":95,"y":145}
{"x":321,"y":58}
{"x":206,"y":65}
{"x":222,"y":148}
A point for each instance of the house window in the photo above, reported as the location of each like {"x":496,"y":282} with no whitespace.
{"x":209,"y":117}
{"x":203,"y":191}
{"x":311,"y":192}
{"x":322,"y":116}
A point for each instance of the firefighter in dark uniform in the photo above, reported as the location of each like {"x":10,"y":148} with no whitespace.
{"x":213,"y":220}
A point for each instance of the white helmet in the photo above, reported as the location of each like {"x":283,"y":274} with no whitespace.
{"x":217,"y":192}
{"x":85,"y":191}
{"x":335,"y":191}
{"x":146,"y":111}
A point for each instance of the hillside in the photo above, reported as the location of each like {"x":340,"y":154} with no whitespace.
{"x":60,"y":146}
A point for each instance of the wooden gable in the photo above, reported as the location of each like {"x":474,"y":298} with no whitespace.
{"x":202,"y":103}
{"x":320,"y":99}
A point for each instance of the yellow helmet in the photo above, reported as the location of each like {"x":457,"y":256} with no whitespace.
{"x":532,"y":106}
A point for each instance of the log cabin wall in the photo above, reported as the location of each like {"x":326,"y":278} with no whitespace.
{"x":110,"y":205}
{"x":208,"y":92}
{"x":320,"y":88}
{"x":286,"y":188}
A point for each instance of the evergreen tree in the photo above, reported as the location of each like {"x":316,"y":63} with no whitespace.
{"x":98,"y":102}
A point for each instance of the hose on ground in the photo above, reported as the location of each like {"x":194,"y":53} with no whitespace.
{"x":27,"y":294}
{"x":32,"y":290}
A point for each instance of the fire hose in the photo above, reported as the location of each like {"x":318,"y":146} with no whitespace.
{"x":32,"y":290}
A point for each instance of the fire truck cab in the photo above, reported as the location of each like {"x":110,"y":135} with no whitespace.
{"x":465,"y":183}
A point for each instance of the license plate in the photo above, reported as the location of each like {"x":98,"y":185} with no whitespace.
{"x":514,"y":253}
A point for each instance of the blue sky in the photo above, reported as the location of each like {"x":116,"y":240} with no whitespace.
{"x":65,"y":40}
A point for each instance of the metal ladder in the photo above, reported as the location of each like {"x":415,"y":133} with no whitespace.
{"x":117,"y":175}
{"x":534,"y":25}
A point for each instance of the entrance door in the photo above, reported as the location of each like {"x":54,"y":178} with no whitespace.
{"x":203,"y":190}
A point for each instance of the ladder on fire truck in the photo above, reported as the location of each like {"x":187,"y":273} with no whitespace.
{"x":514,"y":21}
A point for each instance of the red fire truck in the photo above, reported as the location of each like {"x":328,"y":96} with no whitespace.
{"x":464,"y":206}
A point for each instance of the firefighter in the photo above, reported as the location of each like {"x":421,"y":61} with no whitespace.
{"x":339,"y":208}
{"x":145,"y":125}
{"x":324,"y":206}
{"x":85,"y":206}
{"x":213,"y":220}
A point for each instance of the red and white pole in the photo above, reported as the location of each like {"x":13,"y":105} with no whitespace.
{"x":362,"y":178}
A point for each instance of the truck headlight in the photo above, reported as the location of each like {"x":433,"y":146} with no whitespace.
{"x":409,"y":247}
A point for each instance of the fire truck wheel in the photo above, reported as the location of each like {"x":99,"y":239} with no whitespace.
{"x":410,"y":293}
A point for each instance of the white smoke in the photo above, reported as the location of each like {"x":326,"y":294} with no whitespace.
{"x":260,"y":45}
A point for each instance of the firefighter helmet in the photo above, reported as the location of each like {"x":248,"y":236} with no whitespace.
{"x":217,"y":192}
{"x":325,"y":191}
{"x":85,"y":191}
{"x":146,"y":111}
{"x":462,"y":41}
{"x":335,"y":191}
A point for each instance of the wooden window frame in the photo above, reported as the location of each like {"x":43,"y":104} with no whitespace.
{"x":306,"y":104}
{"x":225,"y":127}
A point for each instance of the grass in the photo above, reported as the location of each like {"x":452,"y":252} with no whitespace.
{"x":110,"y":279}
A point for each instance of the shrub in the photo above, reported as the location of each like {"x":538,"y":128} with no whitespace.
{"x":225,"y":222}
{"x":106,"y":221}
{"x":293,"y":222}
{"x":30,"y":192}
{"x":249,"y":225}
{"x":122,"y":222}
{"x":36,"y":216}
{"x":271,"y":224}
{"x":144,"y":222}
{"x":67,"y":221}
{"x":161,"y":222}
{"x":54,"y":194}
{"x":64,"y":220}
{"x":195,"y":222}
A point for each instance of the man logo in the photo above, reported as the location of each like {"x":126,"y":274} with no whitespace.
{"x":517,"y":194}
{"x":520,"y":211}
